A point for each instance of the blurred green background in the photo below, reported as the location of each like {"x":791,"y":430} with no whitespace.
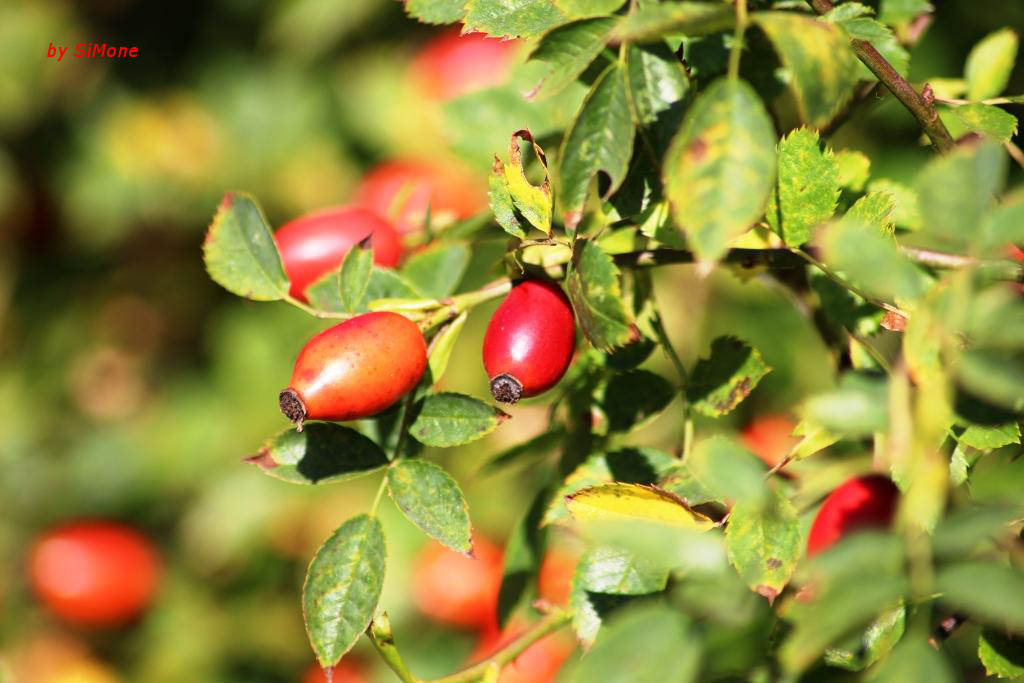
{"x":131,"y":386}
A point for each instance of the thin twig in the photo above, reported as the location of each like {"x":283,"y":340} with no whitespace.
{"x":919,"y":107}
{"x":737,"y":41}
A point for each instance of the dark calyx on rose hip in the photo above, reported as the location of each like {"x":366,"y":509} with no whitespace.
{"x":530,"y":341}
{"x":355,"y":369}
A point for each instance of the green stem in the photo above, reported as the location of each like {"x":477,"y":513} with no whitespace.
{"x":382,"y":639}
{"x":922,"y":109}
{"x":737,"y":41}
{"x":684,"y":378}
{"x":846,"y":285}
{"x":463,"y":302}
{"x":316,"y":312}
{"x":379,"y":495}
{"x":550,"y":623}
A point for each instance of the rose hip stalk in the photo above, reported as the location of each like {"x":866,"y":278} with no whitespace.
{"x":529,"y":341}
{"x":355,"y":369}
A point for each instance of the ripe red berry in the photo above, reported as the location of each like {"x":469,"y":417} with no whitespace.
{"x":457,"y":590}
{"x":402,"y":190}
{"x":451,"y":64}
{"x":355,"y":369}
{"x":861,"y":503}
{"x":348,"y":670}
{"x":529,"y":341}
{"x":316,"y":243}
{"x":94,"y":573}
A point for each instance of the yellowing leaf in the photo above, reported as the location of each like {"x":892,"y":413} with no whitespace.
{"x":634,"y":501}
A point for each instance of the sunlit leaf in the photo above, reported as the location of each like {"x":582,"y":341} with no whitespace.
{"x":512,"y":18}
{"x":633,"y":501}
{"x":721,"y":381}
{"x":240,"y":253}
{"x":807,"y":187}
{"x":449,"y":419}
{"x":652,"y":21}
{"x":443,"y":344}
{"x":720,"y":168}
{"x":342,"y":588}
{"x":435,"y":272}
{"x":430,"y":499}
{"x":854,"y":169}
{"x":321,"y":453}
{"x":1002,"y":656}
{"x":988,"y":120}
{"x":989,"y":64}
{"x":436,"y":11}
{"x":354,"y":276}
{"x":568,"y":50}
{"x":596,"y":296}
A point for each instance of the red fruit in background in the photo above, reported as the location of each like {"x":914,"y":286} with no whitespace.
{"x":316,"y":243}
{"x":355,"y":369}
{"x":400,"y":191}
{"x":770,"y":437}
{"x":457,"y":590}
{"x":94,"y":573}
{"x":348,"y":670}
{"x":556,"y":574}
{"x":860,"y":503}
{"x":529,"y":341}
{"x":451,"y":64}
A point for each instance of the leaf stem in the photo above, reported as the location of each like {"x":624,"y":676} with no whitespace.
{"x":684,"y":379}
{"x":921,"y":108}
{"x":831,"y":274}
{"x":548,"y":624}
{"x":379,"y":495}
{"x":737,"y":41}
{"x":384,"y":641}
{"x":315,"y":312}
{"x":455,"y":305}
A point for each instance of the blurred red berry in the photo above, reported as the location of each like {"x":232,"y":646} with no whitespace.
{"x":457,"y":590}
{"x":861,"y":503}
{"x":401,"y":191}
{"x":348,"y":670}
{"x":94,"y":573}
{"x":451,"y":64}
{"x":316,"y":243}
{"x":556,"y":574}
{"x":770,"y":437}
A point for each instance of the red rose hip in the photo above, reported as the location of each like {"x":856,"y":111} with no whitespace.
{"x":355,"y":369}
{"x":861,"y":503}
{"x":94,"y":573}
{"x":454,"y":64}
{"x":529,"y":341}
{"x":316,"y":243}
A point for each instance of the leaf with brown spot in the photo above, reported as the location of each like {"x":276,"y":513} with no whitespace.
{"x":764,"y":543}
{"x":720,"y":382}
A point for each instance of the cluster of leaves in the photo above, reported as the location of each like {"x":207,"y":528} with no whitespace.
{"x":699,"y":140}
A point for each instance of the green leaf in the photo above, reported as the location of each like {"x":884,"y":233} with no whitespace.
{"x":987,"y":437}
{"x":905,"y":212}
{"x":872,"y":645}
{"x":720,"y":168}
{"x":729,"y":471}
{"x":657,"y":83}
{"x":526,"y":452}
{"x":240,"y":253}
{"x":629,"y":399}
{"x":501,"y":203}
{"x":1004,"y":224}
{"x":617,"y":501}
{"x":822,"y":67}
{"x":955,"y":190}
{"x":994,"y":376}
{"x":512,"y":18}
{"x":436,"y":11}
{"x":449,"y":419}
{"x":524,"y":554}
{"x":870,"y":260}
{"x":645,"y":644}
{"x":858,"y":407}
{"x":989,"y":64}
{"x":807,"y":189}
{"x":354,"y":276}
{"x":1001,"y":656}
{"x":568,"y":51}
{"x":436,"y":272}
{"x":596,"y":295}
{"x":680,"y":481}
{"x":325,"y":293}
{"x":652,"y":21}
{"x":855,"y":22}
{"x":984,"y":590}
{"x":899,"y":12}
{"x":875,"y":209}
{"x":442,"y":346}
{"x":343,"y":586}
{"x":764,"y":544}
{"x":599,"y":140}
{"x":430,"y":499}
{"x":915,"y":661}
{"x":603,"y":576}
{"x":627,"y":466}
{"x":854,"y":169}
{"x":988,"y":120}
{"x":721,"y":381}
{"x":963,"y":532}
{"x":322,"y":453}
